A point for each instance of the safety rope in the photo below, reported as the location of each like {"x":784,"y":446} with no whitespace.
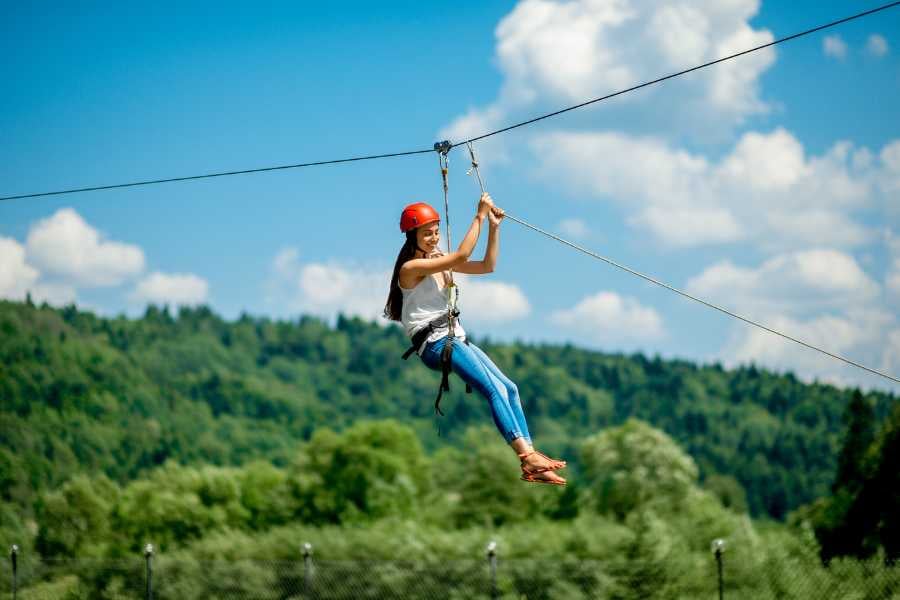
{"x":443,"y":150}
{"x":618,"y":265}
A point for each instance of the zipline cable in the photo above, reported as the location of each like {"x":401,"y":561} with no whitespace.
{"x":653,"y":280}
{"x":686,"y":71}
{"x":702,"y":301}
{"x":474,"y":139}
{"x":222,"y":174}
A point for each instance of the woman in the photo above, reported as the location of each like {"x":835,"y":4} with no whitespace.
{"x":418,"y":300}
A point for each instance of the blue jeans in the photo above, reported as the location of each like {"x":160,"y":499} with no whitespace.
{"x":480,"y":372}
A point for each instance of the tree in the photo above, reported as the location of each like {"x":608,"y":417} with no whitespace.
{"x":861,"y":514}
{"x":372,"y":470}
{"x":74,"y":520}
{"x":629,"y":465}
{"x":859,"y":420}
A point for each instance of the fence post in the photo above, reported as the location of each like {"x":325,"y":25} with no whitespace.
{"x":718,"y":548}
{"x":492,"y":562}
{"x":148,"y":555}
{"x":14,"y":557}
{"x":307,"y":568}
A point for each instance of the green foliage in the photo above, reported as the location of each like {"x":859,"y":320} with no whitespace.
{"x":393,"y":521}
{"x":862,"y":518}
{"x":630,"y":465}
{"x":729,"y":492}
{"x":75,"y":518}
{"x":859,"y":419}
{"x":80,"y":393}
{"x":370,"y":471}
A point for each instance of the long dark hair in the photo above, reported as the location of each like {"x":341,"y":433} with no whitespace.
{"x":394,"y":305}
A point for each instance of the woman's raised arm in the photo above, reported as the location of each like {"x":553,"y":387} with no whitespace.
{"x":420,"y":267}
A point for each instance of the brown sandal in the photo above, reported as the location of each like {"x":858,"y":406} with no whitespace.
{"x":531,"y":478}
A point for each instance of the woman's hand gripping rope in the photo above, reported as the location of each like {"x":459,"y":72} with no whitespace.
{"x":495,"y":216}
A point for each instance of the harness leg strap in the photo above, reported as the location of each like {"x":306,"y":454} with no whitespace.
{"x":446,"y":368}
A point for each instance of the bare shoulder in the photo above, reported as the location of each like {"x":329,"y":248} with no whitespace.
{"x":408,"y":279}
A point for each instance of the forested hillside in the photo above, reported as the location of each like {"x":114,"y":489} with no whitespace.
{"x":80,"y":393}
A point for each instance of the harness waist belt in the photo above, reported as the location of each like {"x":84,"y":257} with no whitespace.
{"x":419,"y":337}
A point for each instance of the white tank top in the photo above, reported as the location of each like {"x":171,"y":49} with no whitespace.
{"x":423,"y":304}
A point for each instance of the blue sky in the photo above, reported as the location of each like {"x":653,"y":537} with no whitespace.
{"x":769,"y":185}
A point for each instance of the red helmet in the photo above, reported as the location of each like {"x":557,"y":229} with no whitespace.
{"x":416,"y":215}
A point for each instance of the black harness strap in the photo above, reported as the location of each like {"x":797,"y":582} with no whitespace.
{"x":419,"y":337}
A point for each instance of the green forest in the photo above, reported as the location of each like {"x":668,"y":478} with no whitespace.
{"x":229,"y":440}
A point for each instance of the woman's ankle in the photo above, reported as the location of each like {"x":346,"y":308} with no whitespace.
{"x":521,"y":446}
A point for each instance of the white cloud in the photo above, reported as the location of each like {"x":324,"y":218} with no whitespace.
{"x":171,"y":288}
{"x":484,"y":301}
{"x":609,"y":317}
{"x":327,"y":289}
{"x":553,"y":52}
{"x":893,"y":279}
{"x":63,"y":253}
{"x":821,"y":297}
{"x":54,"y":293}
{"x":352,"y":290}
{"x":891,"y":360}
{"x":575,"y":228}
{"x":617,"y":166}
{"x":892,"y":276}
{"x":797,"y":282}
{"x":866,"y":336}
{"x":16,"y":276}
{"x":834,"y":46}
{"x":889,"y":178}
{"x":65,"y":247}
{"x":876,"y":45}
{"x":767,"y":190}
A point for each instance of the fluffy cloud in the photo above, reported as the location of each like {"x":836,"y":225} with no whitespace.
{"x":330,"y":288}
{"x":767,"y":190}
{"x":821,"y":297}
{"x":16,"y":277}
{"x":891,"y":359}
{"x":892,"y":277}
{"x":609,"y":317}
{"x":67,"y":248}
{"x":889,"y":176}
{"x":488,"y":301}
{"x":553,"y":52}
{"x":876,"y":45}
{"x":804,"y":282}
{"x":63,"y":253}
{"x":834,"y":46}
{"x":869,"y":337}
{"x":171,"y":288}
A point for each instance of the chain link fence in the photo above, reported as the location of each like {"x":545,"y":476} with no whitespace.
{"x":492,"y":577}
